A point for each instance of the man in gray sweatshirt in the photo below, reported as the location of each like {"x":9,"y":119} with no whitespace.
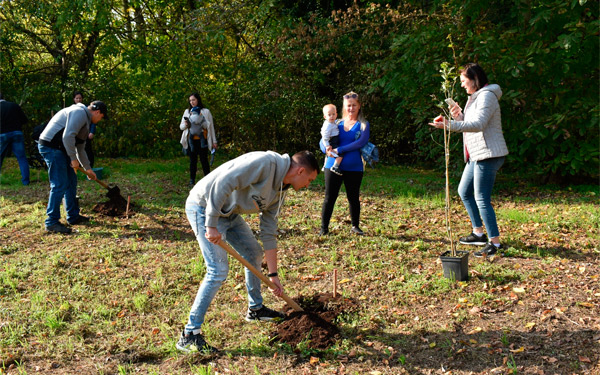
{"x":62,"y":144}
{"x":252,"y":183}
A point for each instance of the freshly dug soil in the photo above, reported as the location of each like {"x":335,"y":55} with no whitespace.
{"x":115,"y":206}
{"x":315,"y":324}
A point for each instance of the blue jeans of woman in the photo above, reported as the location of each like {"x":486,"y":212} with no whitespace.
{"x":234,"y":230}
{"x":63,"y":183}
{"x":475,"y":190}
{"x":16,"y":141}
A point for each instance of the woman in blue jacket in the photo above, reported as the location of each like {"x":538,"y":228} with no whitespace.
{"x":354,"y":134}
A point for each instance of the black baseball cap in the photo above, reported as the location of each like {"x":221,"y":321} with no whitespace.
{"x":98,"y":105}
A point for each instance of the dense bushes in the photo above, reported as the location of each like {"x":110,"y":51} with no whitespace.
{"x":265,"y":70}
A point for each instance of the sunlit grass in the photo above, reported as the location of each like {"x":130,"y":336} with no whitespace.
{"x":122,"y":288}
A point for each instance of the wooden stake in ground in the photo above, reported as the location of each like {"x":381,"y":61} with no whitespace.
{"x":335,"y":283}
{"x":258,"y":274}
{"x":127,"y":209}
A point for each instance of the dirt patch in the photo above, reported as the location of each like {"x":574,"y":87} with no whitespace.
{"x":115,"y":206}
{"x":315,"y":325}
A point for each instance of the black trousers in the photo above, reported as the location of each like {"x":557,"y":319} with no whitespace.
{"x":333,"y":183}
{"x":196,"y":151}
{"x":89,"y":150}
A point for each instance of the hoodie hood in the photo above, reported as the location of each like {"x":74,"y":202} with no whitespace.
{"x":494,"y":88}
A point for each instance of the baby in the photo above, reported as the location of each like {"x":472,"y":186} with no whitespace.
{"x":330,"y":134}
{"x":197,"y":124}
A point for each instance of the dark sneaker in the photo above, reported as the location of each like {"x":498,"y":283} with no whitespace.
{"x":58,"y":228}
{"x":80,"y":220}
{"x":336,"y":170}
{"x":489,"y":250}
{"x":194,"y":343}
{"x":264,"y":313}
{"x":473,"y":239}
{"x":324,"y":232}
{"x":357,"y":231}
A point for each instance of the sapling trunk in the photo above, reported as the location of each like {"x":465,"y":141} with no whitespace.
{"x":335,"y":283}
{"x":447,"y":159}
{"x":449,"y":78}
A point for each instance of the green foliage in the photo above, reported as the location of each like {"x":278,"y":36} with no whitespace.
{"x":543,"y":54}
{"x":265,"y":69}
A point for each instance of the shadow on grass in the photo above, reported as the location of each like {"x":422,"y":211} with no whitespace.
{"x":422,"y":352}
{"x":482,"y":351}
{"x":519,"y":249}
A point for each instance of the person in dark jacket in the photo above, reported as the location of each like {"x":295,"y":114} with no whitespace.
{"x":12,"y":119}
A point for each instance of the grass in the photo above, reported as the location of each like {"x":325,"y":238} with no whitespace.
{"x":114,"y":297}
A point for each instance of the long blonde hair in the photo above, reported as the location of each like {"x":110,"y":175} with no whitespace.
{"x":361,"y":117}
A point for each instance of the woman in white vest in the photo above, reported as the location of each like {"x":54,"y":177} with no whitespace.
{"x":198,"y":135}
{"x":484,"y":150}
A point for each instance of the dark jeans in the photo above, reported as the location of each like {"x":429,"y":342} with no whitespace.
{"x":16,"y":141}
{"x":197,"y":151}
{"x":89,"y":150}
{"x":333,"y":183}
{"x":63,"y":183}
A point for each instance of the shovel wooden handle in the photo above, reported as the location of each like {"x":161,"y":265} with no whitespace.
{"x":104,"y":184}
{"x":258,"y":274}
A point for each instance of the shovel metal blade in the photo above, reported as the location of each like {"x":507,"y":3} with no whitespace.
{"x":114,"y":192}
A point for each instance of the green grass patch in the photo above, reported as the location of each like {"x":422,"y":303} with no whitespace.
{"x":114,"y":297}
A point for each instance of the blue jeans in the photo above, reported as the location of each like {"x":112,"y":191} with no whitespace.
{"x":16,"y":141}
{"x":63,"y":183}
{"x":235,"y":230}
{"x":475,"y":190}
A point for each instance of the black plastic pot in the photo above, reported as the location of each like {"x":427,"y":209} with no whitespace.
{"x":456,"y":268}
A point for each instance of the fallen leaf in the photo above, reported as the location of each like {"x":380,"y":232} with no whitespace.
{"x":521,"y":349}
{"x":343,"y":281}
{"x":432,"y":345}
{"x":584,"y":359}
{"x":530,"y":325}
{"x":519,"y":290}
{"x":314,"y":360}
{"x":474,"y":310}
{"x":587,"y":304}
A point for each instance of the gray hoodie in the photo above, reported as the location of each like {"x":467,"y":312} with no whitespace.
{"x":76,"y":121}
{"x":251,"y":183}
{"x":481,"y":125}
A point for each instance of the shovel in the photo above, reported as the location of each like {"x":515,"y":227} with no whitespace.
{"x":258,"y":274}
{"x":114,"y":193}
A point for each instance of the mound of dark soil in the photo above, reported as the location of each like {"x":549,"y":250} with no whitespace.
{"x":115,"y":206}
{"x":315,"y":325}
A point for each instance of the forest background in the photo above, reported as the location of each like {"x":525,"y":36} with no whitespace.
{"x":265,"y":68}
